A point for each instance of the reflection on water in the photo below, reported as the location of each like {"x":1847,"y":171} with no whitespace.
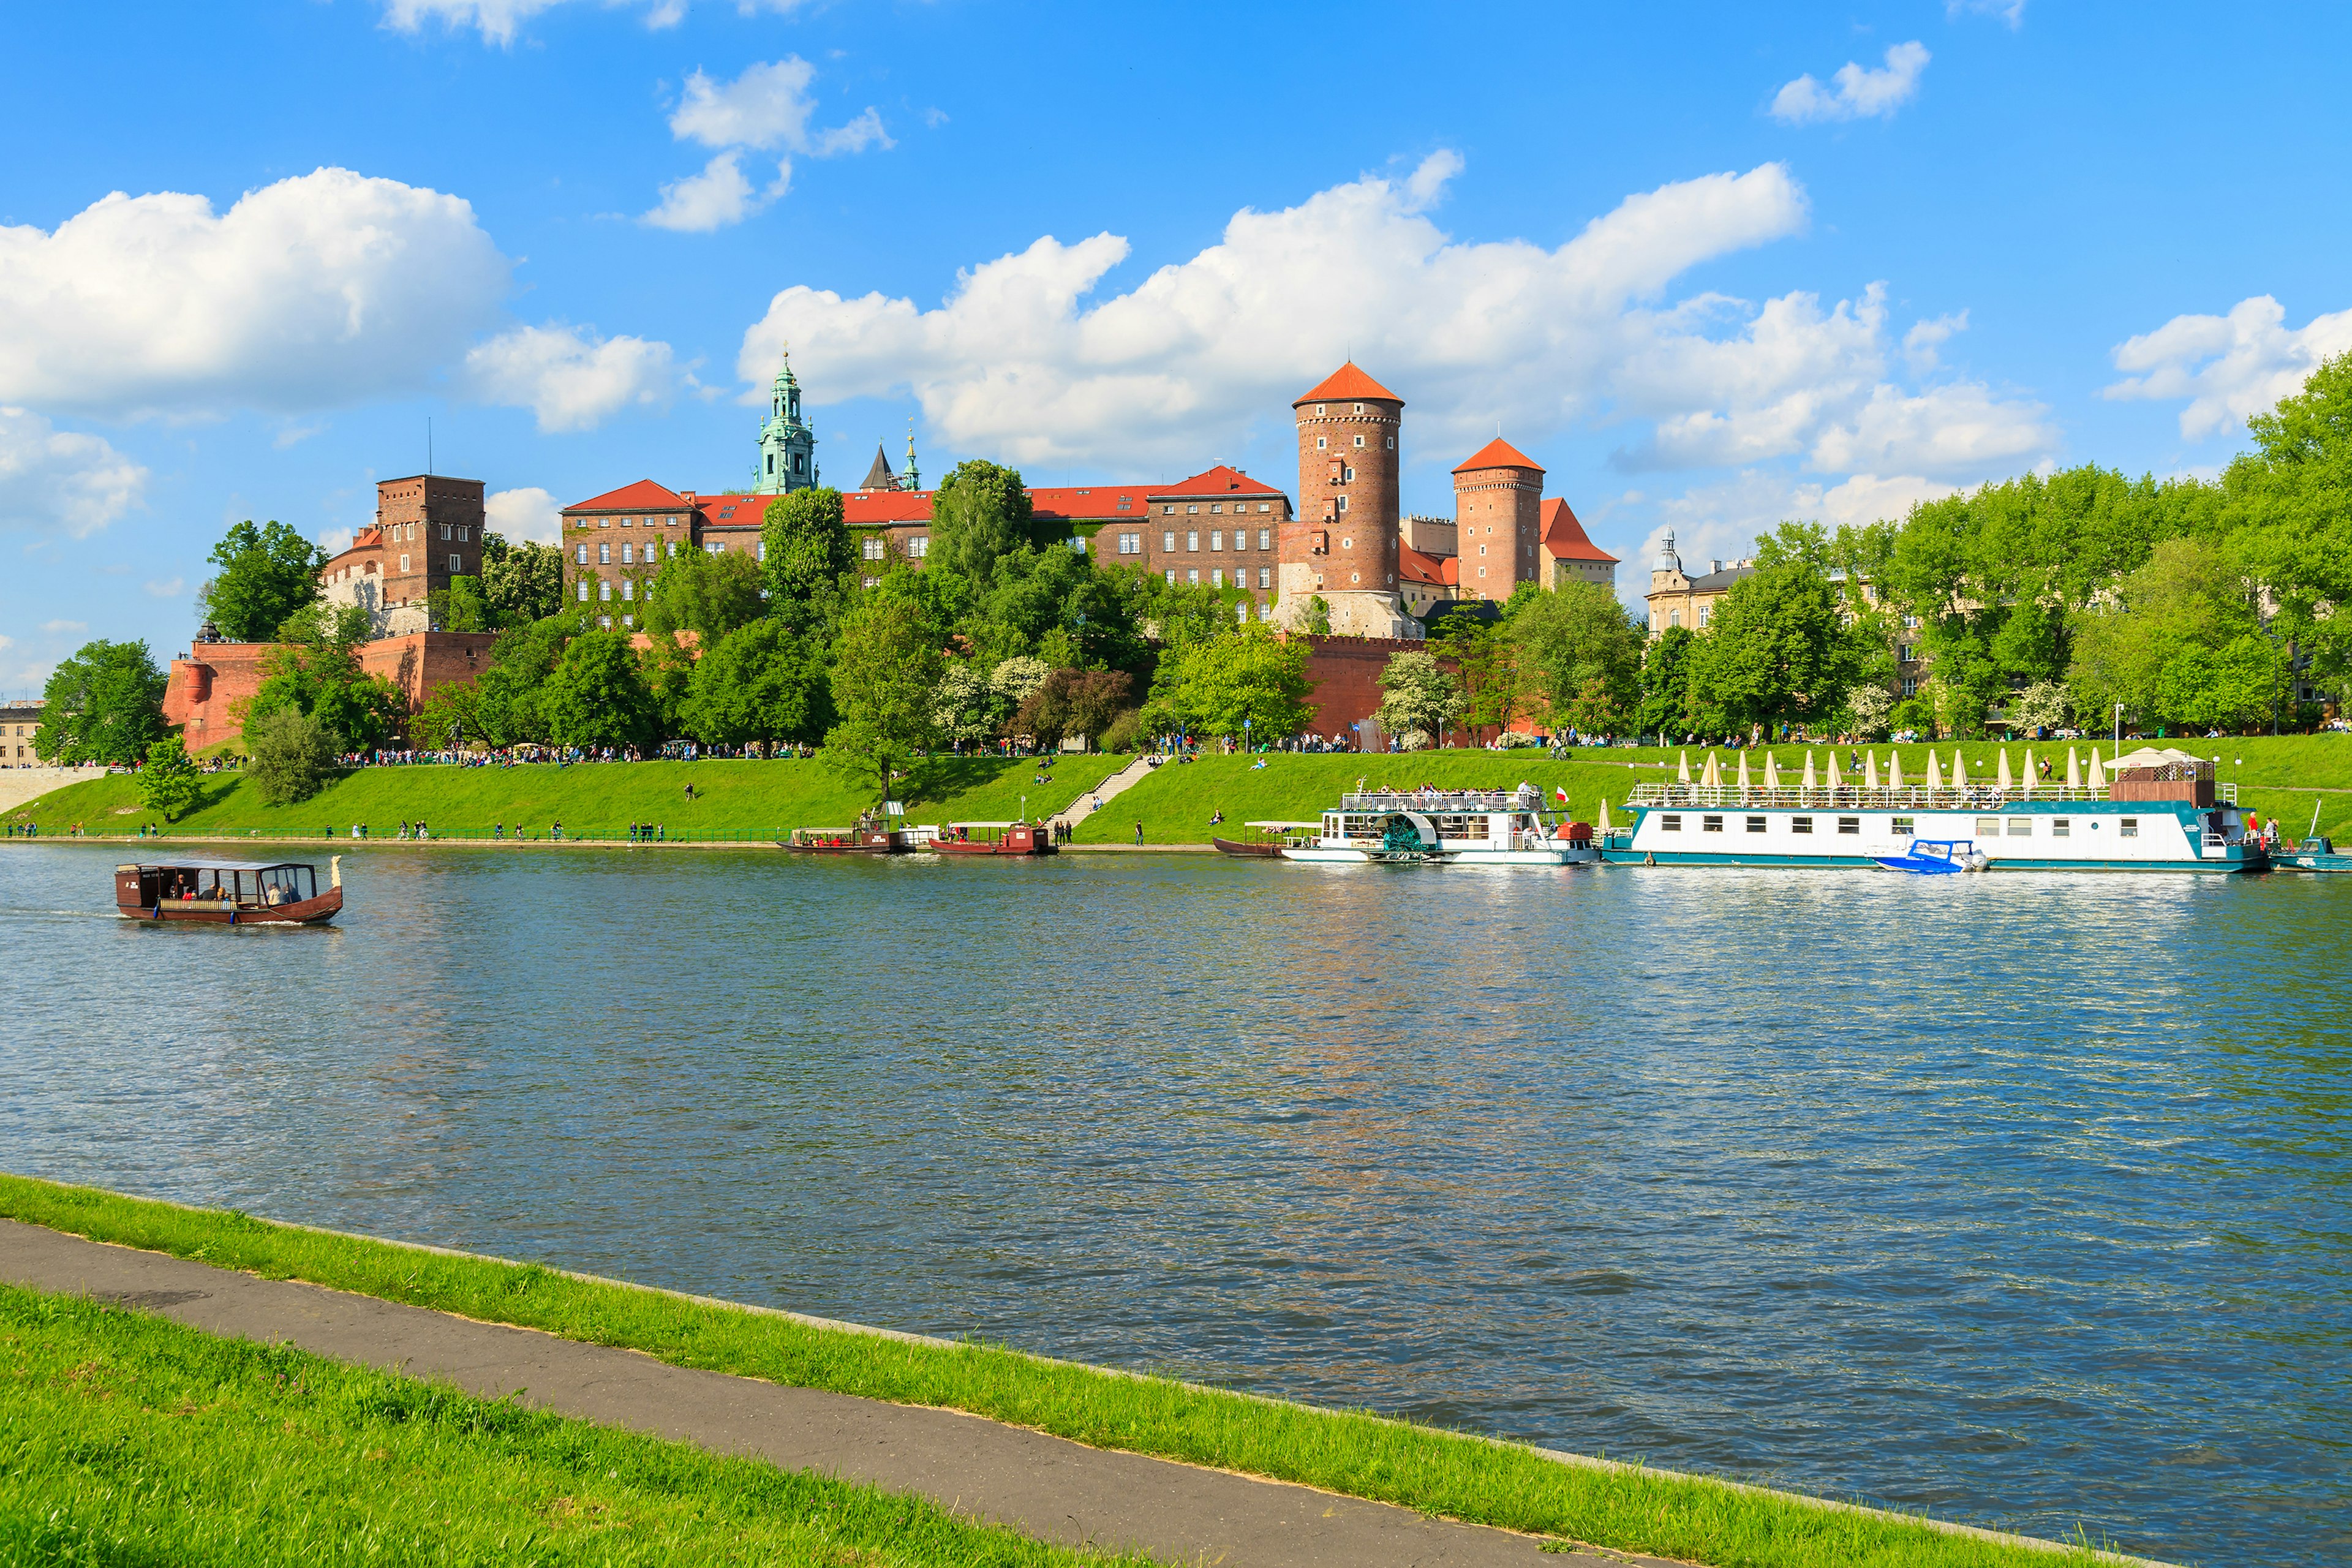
{"x":2017,"y":1198}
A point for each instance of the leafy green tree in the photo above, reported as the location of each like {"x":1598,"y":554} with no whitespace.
{"x":761,"y":683}
{"x":2290,"y":502}
{"x":522,"y":583}
{"x":506,"y":709}
{"x":981,"y":512}
{"x":1778,"y":650}
{"x":1665,"y":683}
{"x":597,"y":695}
{"x":462,"y":607}
{"x":965,"y":710}
{"x":315,"y":669}
{"x":1487,"y":659}
{"x":808,"y":551}
{"x":1580,"y":652}
{"x":1418,"y":694}
{"x":167,"y":784}
{"x":266,"y":574}
{"x":1249,"y":684}
{"x":1074,"y":703}
{"x":290,"y":756}
{"x":2180,"y":644}
{"x":886,"y":677}
{"x":708,"y":595}
{"x":105,"y":704}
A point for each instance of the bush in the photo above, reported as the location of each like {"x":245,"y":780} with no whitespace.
{"x":1126,"y":732}
{"x":1516,"y":740}
{"x":292,"y":752}
{"x":168,"y":782}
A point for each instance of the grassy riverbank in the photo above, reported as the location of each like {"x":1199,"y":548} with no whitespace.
{"x":1354,"y":1453}
{"x":760,"y":800}
{"x":127,"y":1439}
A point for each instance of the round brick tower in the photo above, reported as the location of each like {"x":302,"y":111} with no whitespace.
{"x":1497,"y":520}
{"x":1344,"y":539}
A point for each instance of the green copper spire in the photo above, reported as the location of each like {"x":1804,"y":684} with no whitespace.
{"x":787,"y":444}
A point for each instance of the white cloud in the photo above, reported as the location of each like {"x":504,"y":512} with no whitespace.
{"x":1860,"y":93}
{"x":329,"y":287}
{"x":573,"y":380}
{"x":64,"y":628}
{"x":527,"y":513}
{"x":2228,"y":367}
{"x":2010,"y":11}
{"x":294,"y":434}
{"x":333,"y":541}
{"x":167,"y":588}
{"x":1013,"y":363}
{"x":1961,"y":429}
{"x":60,"y":481}
{"x":1923,"y":345}
{"x":767,"y":108}
{"x":497,"y":21}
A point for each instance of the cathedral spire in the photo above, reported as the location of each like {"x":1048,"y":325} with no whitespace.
{"x":913,"y":477}
{"x":787,"y":444}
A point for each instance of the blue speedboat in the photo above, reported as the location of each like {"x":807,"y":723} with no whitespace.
{"x":1937,"y":858}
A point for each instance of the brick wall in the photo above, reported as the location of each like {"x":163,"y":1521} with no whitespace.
{"x":211,"y":677}
{"x":421,"y":662}
{"x":1354,"y":546}
{"x":1346,"y":673}
{"x":1498,"y":515}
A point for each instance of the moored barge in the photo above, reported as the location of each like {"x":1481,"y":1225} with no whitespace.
{"x":995,"y":838}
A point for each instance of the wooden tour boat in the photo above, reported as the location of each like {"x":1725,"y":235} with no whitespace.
{"x":872,"y":836}
{"x":1274,"y":837}
{"x":230,"y":892}
{"x":995,"y":838}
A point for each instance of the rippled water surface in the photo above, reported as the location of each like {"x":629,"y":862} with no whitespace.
{"x":2021,"y":1199}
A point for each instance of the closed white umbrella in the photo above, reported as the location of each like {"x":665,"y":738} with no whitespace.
{"x":2029,"y":771}
{"x":1894,"y":768}
{"x":1935,"y":772}
{"x":2000,"y":775}
{"x":1684,"y":777}
{"x":1603,"y":823}
{"x":1771,"y":771}
{"x":1743,"y":775}
{"x":1835,"y":782}
{"x":1813,"y":780}
{"x":2073,"y":769}
{"x":2098,"y":774}
{"x":1870,"y":770}
{"x":1960,"y":770}
{"x":1711,"y":776}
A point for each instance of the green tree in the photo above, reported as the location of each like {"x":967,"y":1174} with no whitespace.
{"x":1074,"y":703}
{"x":708,"y":595}
{"x":759,"y":682}
{"x":981,"y":512}
{"x":808,"y":551}
{"x":886,"y":677}
{"x":462,"y":607}
{"x":315,"y":669}
{"x":1580,"y":652}
{"x":266,"y":574}
{"x":1248,"y":685}
{"x":597,"y":695}
{"x":1778,"y":650}
{"x":1488,"y":658}
{"x":1665,"y":683}
{"x":522,"y":583}
{"x":105,"y":704}
{"x":2290,"y":501}
{"x":291,"y":753}
{"x":965,"y":710}
{"x":506,"y":709}
{"x":1418,"y":694}
{"x":167,"y":782}
{"x":2181,"y":643}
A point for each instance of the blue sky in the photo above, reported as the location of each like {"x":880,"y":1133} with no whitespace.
{"x":1712,"y":270}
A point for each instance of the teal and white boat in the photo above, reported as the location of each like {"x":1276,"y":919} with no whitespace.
{"x":1446,"y":827}
{"x":2163,"y":811}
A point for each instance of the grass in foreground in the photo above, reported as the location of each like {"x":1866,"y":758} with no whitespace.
{"x":1356,"y":1453}
{"x":126,"y":1439}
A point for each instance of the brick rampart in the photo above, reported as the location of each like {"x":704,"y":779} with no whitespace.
{"x":1346,"y":672}
{"x":210,"y":679}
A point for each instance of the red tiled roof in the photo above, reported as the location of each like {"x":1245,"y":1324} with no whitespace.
{"x":1498,"y":454}
{"x":869,"y":509}
{"x":1439,"y":570}
{"x":1347,"y":381}
{"x":1073,"y":503}
{"x":368,"y":538}
{"x":730,"y":510}
{"x":1565,"y":536}
{"x":1216,"y":482}
{"x":631,"y":498}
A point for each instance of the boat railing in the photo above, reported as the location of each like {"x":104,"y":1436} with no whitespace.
{"x":1860,"y":797}
{"x":1442,"y":803}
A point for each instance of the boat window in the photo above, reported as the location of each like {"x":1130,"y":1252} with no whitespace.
{"x":1670,"y":825}
{"x":1801,"y":825}
{"x":1988,"y":827}
{"x":1904,"y":828}
{"x":2058,"y":826}
{"x":2021,"y":827}
{"x":1849,"y":824}
{"x":2128,"y":827}
{"x":1710,"y":825}
{"x":1934,"y":851}
{"x":1756,"y":824}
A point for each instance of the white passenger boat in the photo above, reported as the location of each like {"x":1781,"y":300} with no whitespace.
{"x":2163,"y":812}
{"x":1440,"y":828}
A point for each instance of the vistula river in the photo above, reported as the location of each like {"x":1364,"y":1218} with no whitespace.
{"x":2019,"y":1199}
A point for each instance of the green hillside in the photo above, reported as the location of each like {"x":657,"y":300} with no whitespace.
{"x":761,"y":800}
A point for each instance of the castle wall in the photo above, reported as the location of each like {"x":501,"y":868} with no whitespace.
{"x":208,"y":683}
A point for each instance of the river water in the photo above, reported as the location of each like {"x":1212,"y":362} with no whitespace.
{"x":2020,"y":1199}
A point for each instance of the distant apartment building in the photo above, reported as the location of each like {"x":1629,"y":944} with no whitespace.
{"x":1680,"y":598}
{"x":18,"y":721}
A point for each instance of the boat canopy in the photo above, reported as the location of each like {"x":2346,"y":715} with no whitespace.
{"x":219,"y":866}
{"x":1282,"y":826}
{"x":2154,"y":757}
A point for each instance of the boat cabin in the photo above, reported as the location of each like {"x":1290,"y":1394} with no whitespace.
{"x":256,"y":885}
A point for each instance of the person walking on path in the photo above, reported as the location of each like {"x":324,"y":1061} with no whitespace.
{"x":1139,"y":835}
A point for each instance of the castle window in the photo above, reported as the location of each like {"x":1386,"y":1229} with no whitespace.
{"x":1360,"y":440}
{"x":603,"y":557}
{"x":1359,"y":409}
{"x":1265,"y":576}
{"x":1217,"y":577}
{"x":1318,"y":412}
{"x":457,"y":563}
{"x":403,"y":565}
{"x":1167,"y":538}
{"x":625,"y":522}
{"x":1217,"y":540}
{"x":445,"y":533}
{"x":1217,"y":507}
{"x":1172,"y":576}
{"x":1193,"y":575}
{"x":1674,"y":617}
{"x":605,"y":622}
{"x":1191,"y":541}
{"x":1265,"y":538}
{"x":1343,"y":503}
{"x":1266,"y":506}
{"x":1168,"y":510}
{"x":629,"y":588}
{"x":627,"y":621}
{"x":1347,"y":544}
{"x":874,"y":547}
{"x":919,"y":546}
{"x":603,"y":523}
{"x":1319,"y":443}
{"x":628,"y":554}
{"x":1130,"y":544}
{"x":583,"y":590}
{"x":603,"y":590}
{"x":1192,"y":512}
{"x":1392,"y":443}
{"x":583,"y":555}
{"x":1347,"y":474}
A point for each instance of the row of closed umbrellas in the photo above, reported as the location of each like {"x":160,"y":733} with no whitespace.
{"x":1711,"y":773}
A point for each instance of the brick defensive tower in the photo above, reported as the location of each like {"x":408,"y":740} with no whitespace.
{"x":1497,"y":520}
{"x":1343,"y":543}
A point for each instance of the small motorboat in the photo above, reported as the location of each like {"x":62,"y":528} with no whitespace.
{"x":871,"y":836}
{"x":2311,"y":855}
{"x":1274,"y":837}
{"x":995,"y":838}
{"x":1939,"y":857}
{"x":230,"y":892}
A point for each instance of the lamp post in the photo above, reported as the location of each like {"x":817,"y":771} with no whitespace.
{"x":2119,"y":726}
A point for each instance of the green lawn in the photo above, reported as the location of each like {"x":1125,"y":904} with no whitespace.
{"x":1351,"y":1452}
{"x":761,"y":800}
{"x":758,"y":799}
{"x":127,"y":1439}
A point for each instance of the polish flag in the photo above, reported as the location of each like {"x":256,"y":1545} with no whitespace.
{"x":1561,"y":793}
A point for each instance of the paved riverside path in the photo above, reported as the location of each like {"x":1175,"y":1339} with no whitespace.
{"x":1044,"y":1486}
